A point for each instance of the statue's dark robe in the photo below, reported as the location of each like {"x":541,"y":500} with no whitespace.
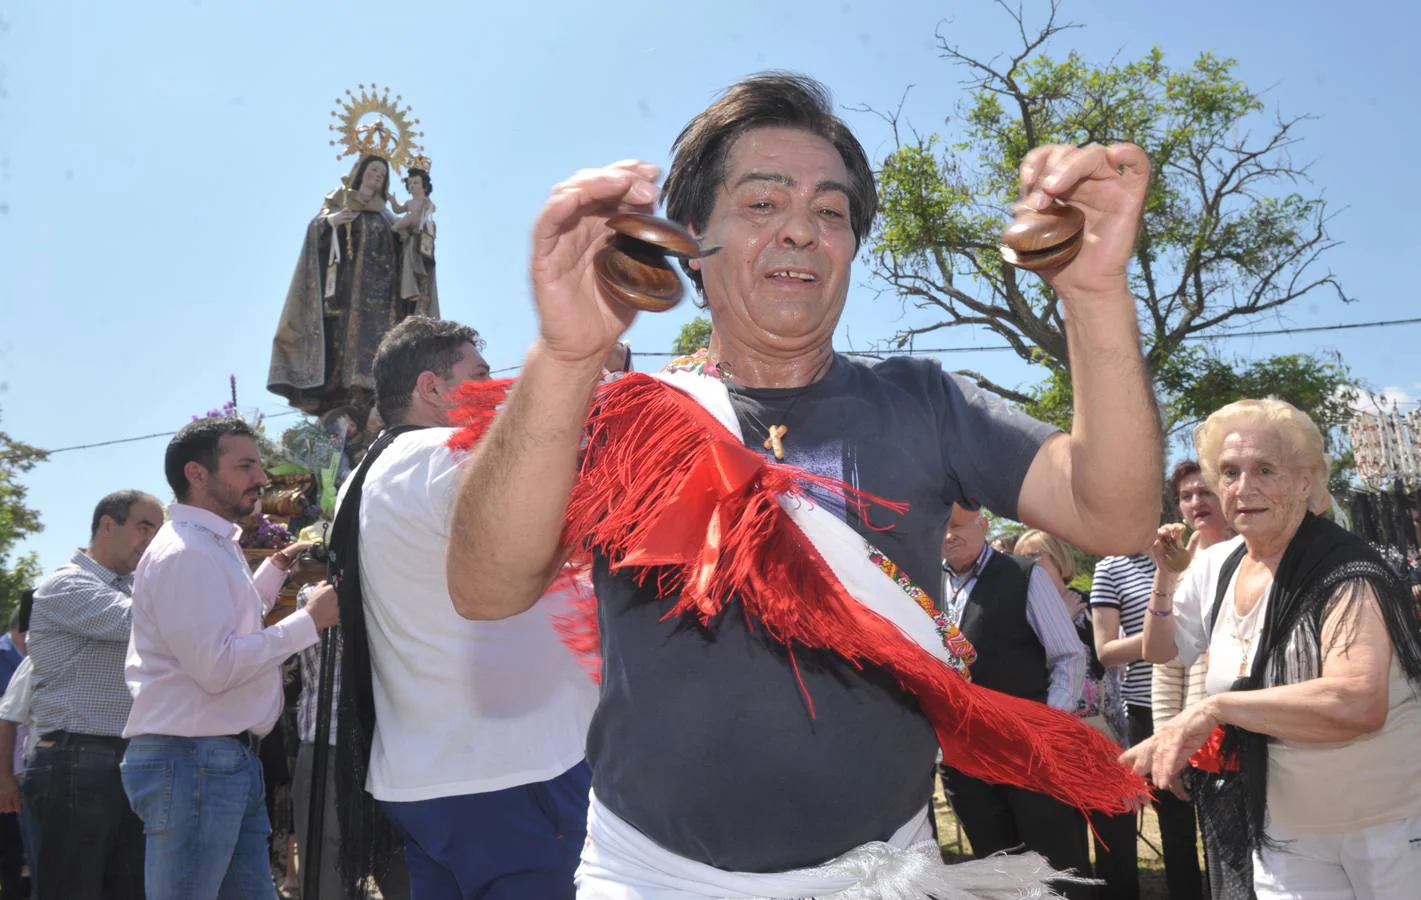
{"x":324,"y":348}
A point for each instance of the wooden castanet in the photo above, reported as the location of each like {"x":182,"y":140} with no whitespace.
{"x":634,"y":269}
{"x":1043,"y":238}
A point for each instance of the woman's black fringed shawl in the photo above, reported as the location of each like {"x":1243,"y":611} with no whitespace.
{"x":1319,"y":561}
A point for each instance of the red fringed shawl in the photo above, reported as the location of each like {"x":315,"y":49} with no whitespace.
{"x":665,"y":492}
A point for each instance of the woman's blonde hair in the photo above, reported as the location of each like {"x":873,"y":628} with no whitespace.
{"x":1062,"y":556}
{"x":1300,"y":437}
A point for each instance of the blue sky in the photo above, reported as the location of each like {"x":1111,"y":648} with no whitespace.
{"x":159,"y":162}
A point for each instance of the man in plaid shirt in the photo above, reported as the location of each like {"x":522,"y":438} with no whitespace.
{"x":88,"y":842}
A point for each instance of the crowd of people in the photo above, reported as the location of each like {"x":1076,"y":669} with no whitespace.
{"x":718,"y":632}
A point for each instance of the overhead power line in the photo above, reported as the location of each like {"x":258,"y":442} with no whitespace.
{"x":974,"y":348}
{"x":978,"y":348}
{"x":906,"y":351}
{"x":145,"y":437}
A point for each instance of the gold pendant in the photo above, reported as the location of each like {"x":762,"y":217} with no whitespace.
{"x":775,"y":443}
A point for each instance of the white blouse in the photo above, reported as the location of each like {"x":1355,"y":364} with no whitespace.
{"x":1193,"y":600}
{"x":1313,"y":788}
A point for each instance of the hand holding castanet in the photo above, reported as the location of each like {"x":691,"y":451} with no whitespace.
{"x":1079,"y":217}
{"x":634,"y":269}
{"x":578,"y":323}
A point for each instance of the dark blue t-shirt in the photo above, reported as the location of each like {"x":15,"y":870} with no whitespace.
{"x":703,"y":740}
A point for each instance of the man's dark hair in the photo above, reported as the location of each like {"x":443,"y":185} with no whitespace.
{"x":1182,"y":471}
{"x":769,"y":99}
{"x":197,"y":442}
{"x":116,"y":507}
{"x":418,"y":344}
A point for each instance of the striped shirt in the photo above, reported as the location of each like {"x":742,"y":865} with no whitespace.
{"x":1124,"y":583}
{"x":83,"y":616}
{"x":1176,"y":688}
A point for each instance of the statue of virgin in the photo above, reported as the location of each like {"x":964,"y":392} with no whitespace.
{"x":345,"y":294}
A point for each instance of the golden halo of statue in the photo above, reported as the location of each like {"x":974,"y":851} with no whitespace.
{"x":370,"y":123}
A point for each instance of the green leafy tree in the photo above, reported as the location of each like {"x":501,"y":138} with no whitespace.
{"x":17,"y":521}
{"x":1228,"y":234}
{"x":695,"y":335}
{"x":1200,"y":382}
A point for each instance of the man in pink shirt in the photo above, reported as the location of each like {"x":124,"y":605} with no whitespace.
{"x":206,"y":676}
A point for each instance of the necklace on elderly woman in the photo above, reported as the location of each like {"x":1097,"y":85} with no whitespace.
{"x":1252,"y":620}
{"x":775,"y":434}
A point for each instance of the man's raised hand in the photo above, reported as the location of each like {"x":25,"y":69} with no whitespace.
{"x":1107,"y":183}
{"x":577,"y":323}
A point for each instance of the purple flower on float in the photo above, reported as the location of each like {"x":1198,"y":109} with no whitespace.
{"x":266,"y":534}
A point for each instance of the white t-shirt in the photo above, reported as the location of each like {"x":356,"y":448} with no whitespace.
{"x":1193,"y":601}
{"x":1313,"y":788}
{"x":1234,"y":642}
{"x":15,"y":707}
{"x":461,"y":707}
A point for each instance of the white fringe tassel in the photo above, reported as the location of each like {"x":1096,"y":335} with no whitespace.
{"x":884,"y":872}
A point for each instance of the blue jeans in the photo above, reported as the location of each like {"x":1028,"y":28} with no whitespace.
{"x":83,"y":834}
{"x":203,"y":806}
{"x":515,"y":844}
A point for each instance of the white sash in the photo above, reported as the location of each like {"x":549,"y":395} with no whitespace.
{"x":621,"y":863}
{"x":838,"y":544}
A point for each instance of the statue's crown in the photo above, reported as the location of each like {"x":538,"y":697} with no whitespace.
{"x":371,"y":124}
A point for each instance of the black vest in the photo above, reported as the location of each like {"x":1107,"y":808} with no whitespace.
{"x":1010,"y":657}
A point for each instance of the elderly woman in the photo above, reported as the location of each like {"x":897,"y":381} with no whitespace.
{"x":1314,"y":660}
{"x":1101,"y":706}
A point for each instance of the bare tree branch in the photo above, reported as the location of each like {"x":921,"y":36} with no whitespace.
{"x":986,"y":383}
{"x":1228,"y":235}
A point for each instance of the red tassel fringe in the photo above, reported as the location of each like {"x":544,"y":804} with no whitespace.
{"x":1212,"y":758}
{"x":784,"y":586}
